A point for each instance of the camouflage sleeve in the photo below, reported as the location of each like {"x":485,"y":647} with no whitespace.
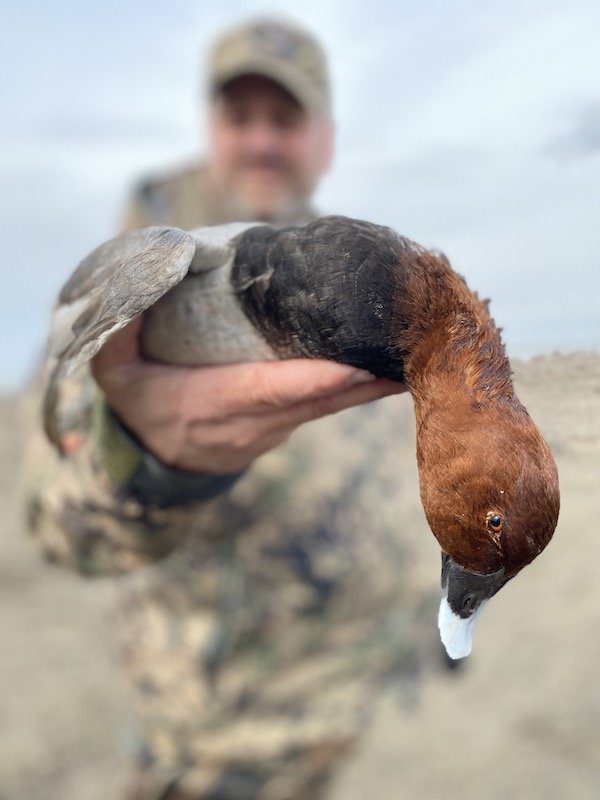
{"x":147,"y":206}
{"x":107,"y":506}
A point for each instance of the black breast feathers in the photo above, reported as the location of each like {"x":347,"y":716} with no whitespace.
{"x":325,"y":290}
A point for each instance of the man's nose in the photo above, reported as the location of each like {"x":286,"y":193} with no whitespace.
{"x":263,"y":137}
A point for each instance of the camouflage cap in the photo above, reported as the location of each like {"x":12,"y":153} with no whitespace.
{"x":281,"y":51}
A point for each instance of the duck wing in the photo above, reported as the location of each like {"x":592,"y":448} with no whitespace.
{"x":115,"y":283}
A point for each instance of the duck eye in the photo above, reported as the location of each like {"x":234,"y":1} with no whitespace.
{"x":495,"y":522}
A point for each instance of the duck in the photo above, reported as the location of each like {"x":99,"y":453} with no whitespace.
{"x":360,"y":294}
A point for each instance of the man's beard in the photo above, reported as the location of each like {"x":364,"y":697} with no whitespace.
{"x":284,"y":202}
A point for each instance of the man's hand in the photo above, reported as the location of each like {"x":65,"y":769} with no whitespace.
{"x":217,"y":420}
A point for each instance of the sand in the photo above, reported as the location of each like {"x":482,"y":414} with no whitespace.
{"x":520,"y":719}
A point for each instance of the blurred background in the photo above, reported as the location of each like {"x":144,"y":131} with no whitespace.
{"x":471,"y":127}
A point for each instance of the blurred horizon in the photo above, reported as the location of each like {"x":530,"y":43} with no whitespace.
{"x":473,"y":128}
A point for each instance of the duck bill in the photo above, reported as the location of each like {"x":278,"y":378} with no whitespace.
{"x":466,"y":594}
{"x":456,"y":632}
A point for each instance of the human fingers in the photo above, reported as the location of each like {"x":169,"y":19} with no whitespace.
{"x":325,"y":405}
{"x":121,"y":348}
{"x":243,"y":431}
{"x":226,"y":445}
{"x":268,"y":386}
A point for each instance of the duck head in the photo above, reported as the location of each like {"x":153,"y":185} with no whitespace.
{"x":489,"y":486}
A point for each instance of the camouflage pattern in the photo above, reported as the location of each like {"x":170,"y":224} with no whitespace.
{"x":264,"y":619}
{"x":286,"y":53}
{"x":183,"y":198}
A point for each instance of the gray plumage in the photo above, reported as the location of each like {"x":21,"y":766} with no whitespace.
{"x":237,"y":292}
{"x":120,"y":280}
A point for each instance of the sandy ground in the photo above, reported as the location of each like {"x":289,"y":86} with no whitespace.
{"x":520,"y":720}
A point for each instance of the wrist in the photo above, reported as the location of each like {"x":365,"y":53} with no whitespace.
{"x":140,"y":474}
{"x":115,"y":449}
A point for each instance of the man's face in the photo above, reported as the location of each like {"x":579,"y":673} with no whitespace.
{"x":267,"y":152}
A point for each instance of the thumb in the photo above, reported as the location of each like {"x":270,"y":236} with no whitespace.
{"x":121,"y":348}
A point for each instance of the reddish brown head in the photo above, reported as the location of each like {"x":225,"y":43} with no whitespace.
{"x":489,"y":487}
{"x":489,"y":484}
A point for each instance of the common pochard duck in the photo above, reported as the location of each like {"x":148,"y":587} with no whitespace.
{"x":360,"y":294}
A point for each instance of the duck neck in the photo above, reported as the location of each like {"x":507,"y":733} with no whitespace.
{"x":459,"y":361}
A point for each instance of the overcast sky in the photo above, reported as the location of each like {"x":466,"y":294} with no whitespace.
{"x":472,"y":127}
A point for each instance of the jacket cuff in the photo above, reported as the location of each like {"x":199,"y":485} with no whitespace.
{"x":141,"y":475}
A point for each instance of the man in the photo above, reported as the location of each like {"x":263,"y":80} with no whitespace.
{"x":252,"y":649}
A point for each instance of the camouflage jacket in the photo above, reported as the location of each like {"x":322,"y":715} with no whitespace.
{"x":262,"y":614}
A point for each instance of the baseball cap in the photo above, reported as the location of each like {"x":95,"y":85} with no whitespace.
{"x":275,"y":49}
